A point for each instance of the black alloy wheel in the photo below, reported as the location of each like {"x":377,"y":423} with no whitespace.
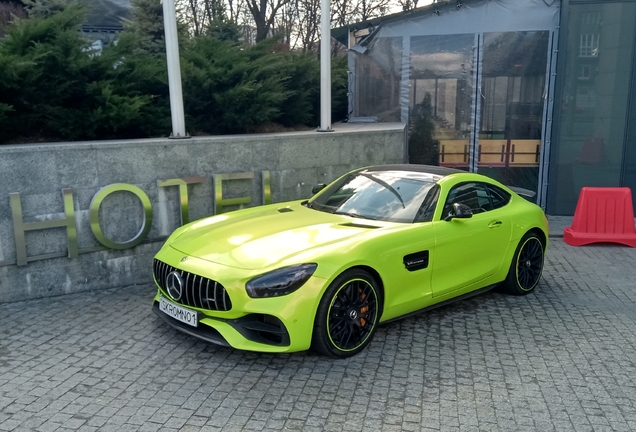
{"x":527,"y":265}
{"x":348,"y":315}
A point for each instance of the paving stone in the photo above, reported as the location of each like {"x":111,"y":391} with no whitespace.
{"x":560,"y":359}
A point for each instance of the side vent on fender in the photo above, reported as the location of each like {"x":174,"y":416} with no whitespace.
{"x":416,"y":261}
{"x":285,"y":210}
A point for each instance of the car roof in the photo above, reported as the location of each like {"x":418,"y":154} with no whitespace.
{"x":428,"y":169}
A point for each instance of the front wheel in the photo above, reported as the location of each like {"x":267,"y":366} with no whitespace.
{"x":526,"y":267}
{"x":347,"y":315}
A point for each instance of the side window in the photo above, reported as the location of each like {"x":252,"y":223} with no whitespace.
{"x":499,"y":196}
{"x":425,"y":213}
{"x":474,"y":195}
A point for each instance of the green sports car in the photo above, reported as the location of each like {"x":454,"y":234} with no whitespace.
{"x":377,"y":244}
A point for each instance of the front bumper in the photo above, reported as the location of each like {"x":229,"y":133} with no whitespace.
{"x":273,"y":324}
{"x":206,"y":333}
{"x":259,"y":328}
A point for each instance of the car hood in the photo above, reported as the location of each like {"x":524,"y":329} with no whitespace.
{"x":263,"y":236}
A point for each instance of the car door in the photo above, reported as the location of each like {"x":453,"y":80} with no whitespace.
{"x":469,"y":251}
{"x":405,"y":262}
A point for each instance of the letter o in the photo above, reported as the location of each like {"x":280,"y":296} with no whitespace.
{"x":96,"y":202}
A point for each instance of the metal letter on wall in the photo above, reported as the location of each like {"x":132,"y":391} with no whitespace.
{"x":183,"y":193}
{"x":20,"y":227}
{"x":94,"y":215}
{"x":219,"y":201}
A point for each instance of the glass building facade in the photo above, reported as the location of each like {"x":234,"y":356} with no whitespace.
{"x":537,"y":94}
{"x":594,"y":142}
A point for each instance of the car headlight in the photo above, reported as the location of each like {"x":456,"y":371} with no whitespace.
{"x":280,"y":282}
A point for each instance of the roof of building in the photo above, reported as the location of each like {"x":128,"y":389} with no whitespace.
{"x":436,"y":8}
{"x":106,"y":15}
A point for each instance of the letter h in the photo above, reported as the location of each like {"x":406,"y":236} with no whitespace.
{"x":20,"y":227}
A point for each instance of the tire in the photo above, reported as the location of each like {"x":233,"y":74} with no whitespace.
{"x":348,"y":315}
{"x":526,"y":266}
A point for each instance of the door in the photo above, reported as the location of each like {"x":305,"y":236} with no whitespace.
{"x":468,"y":251}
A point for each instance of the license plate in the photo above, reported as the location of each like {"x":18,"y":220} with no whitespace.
{"x":177,"y":312}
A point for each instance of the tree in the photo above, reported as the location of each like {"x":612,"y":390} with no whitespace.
{"x":147,"y":26}
{"x":349,"y":11}
{"x":285,"y":23}
{"x":224,"y":30}
{"x":201,"y":15}
{"x":231,"y":89}
{"x":46,"y":8}
{"x":408,"y":4}
{"x":308,"y":24}
{"x":54,"y":87}
{"x":9,"y":10}
{"x":298,"y":21}
{"x":264,"y":18}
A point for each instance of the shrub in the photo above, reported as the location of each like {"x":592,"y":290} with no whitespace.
{"x":54,"y":86}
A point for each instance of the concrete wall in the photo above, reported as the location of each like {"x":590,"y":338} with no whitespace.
{"x":295,"y":161}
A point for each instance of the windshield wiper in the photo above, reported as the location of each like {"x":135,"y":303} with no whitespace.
{"x":386,"y":185}
{"x":354,"y":215}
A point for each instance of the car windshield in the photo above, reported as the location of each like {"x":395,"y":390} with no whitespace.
{"x":394,"y":196}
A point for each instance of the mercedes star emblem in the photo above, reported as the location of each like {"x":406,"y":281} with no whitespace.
{"x":174,"y":285}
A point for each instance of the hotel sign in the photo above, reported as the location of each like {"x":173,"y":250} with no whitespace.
{"x":20,"y":227}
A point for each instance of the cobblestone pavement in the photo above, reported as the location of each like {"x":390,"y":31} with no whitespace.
{"x":562,"y":358}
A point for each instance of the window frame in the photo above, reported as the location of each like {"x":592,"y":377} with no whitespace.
{"x":485,"y":187}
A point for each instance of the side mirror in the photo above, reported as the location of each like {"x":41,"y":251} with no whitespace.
{"x":318,"y":188}
{"x":460,"y":211}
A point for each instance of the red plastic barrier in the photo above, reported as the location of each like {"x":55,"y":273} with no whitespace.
{"x":602,"y":215}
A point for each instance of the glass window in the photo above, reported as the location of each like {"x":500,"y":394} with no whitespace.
{"x":426,"y":211}
{"x":591,"y":17}
{"x":390,"y":195}
{"x":499,"y":196}
{"x":474,"y":195}
{"x":377,"y":92}
{"x":589,"y":135}
{"x":589,"y":45}
{"x":441,"y":99}
{"x":629,"y":162}
{"x":513,"y":90}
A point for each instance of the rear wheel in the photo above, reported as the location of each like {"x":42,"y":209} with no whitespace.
{"x":348,"y":315}
{"x":526,"y":267}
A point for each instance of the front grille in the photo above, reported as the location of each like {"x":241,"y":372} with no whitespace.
{"x":198,"y":291}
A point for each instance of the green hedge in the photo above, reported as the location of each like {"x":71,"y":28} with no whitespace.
{"x":53,"y":87}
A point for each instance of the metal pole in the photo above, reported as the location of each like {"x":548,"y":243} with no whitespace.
{"x":174,"y":70}
{"x":325,"y":67}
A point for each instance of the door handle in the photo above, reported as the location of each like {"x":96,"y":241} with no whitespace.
{"x":494,"y":224}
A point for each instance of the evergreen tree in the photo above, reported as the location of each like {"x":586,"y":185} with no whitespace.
{"x":46,"y":8}
{"x":54,"y":87}
{"x":224,"y":30}
{"x":339,"y":89}
{"x":229,"y":88}
{"x":147,"y":26}
{"x":9,"y":11}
